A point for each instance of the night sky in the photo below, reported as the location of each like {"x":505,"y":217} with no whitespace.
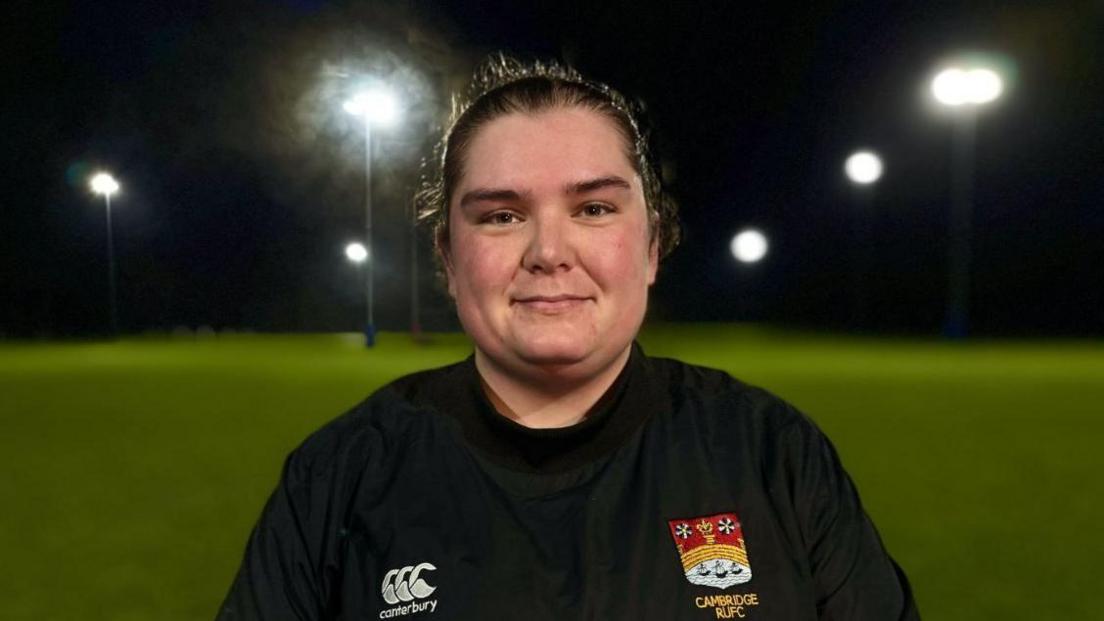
{"x":242,"y":178}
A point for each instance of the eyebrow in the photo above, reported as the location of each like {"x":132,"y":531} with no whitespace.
{"x":592,"y":185}
{"x":490,"y":194}
{"x":508,"y":195}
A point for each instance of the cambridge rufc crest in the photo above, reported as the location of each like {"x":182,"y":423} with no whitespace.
{"x":712,"y":550}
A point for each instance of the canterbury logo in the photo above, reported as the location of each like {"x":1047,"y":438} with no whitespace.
{"x":406,"y":584}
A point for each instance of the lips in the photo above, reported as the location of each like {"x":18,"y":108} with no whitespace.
{"x":551,"y":303}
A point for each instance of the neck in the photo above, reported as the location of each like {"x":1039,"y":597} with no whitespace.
{"x":544,"y":398}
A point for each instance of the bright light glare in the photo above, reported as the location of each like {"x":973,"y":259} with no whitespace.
{"x":376,"y":106}
{"x":985,"y":85}
{"x":956,"y":87}
{"x":749,"y":246}
{"x":863,"y":167}
{"x":103,"y":183}
{"x":949,"y":87}
{"x":356,"y":252}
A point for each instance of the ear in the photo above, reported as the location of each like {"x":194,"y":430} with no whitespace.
{"x":653,"y":259}
{"x":441,"y":245}
{"x":451,"y":281}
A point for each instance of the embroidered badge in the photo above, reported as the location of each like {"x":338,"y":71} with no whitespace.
{"x":712,"y":550}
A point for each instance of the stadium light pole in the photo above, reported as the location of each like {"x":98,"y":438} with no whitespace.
{"x":376,"y":106}
{"x":415,"y":323}
{"x":749,"y":247}
{"x":104,"y":184}
{"x":962,"y":89}
{"x":863,"y":168}
{"x":358,"y":255}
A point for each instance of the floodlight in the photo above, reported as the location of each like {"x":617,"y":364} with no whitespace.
{"x":949,"y":87}
{"x":956,"y":86}
{"x":749,"y":246}
{"x":377,"y":106}
{"x":103,"y":183}
{"x":356,"y":252}
{"x":984,"y":85}
{"x":863,"y":167}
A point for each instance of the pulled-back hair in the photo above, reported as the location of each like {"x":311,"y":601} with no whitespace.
{"x":503,"y":85}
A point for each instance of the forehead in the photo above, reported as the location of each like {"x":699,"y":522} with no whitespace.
{"x":561,"y":144}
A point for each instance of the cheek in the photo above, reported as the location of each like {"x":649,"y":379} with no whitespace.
{"x":479,"y":265}
{"x":622,"y":257}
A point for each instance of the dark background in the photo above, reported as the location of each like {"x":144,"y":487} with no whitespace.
{"x":242,"y":179}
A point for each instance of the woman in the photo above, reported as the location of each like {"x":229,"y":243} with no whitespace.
{"x":559,"y":473}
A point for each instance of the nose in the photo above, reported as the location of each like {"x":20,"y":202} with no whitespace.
{"x":550,"y":247}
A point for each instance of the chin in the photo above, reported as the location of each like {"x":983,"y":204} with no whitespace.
{"x":554,"y":352}
{"x":553,"y":347}
{"x":558,"y":352}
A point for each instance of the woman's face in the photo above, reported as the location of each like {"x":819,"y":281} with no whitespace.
{"x":550,"y":254}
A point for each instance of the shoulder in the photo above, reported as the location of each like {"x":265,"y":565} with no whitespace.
{"x":388,"y":419}
{"x":714,"y":393}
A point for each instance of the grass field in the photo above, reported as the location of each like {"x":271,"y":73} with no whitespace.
{"x":133,"y":471}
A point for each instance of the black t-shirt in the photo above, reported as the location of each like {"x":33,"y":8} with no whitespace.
{"x":683,"y":494}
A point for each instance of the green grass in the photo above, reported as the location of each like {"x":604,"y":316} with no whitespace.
{"x":134,"y":470}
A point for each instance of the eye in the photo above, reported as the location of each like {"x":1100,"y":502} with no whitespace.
{"x":596,"y":210}
{"x":501,"y":218}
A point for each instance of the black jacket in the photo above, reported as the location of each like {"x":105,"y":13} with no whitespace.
{"x":684,"y":494}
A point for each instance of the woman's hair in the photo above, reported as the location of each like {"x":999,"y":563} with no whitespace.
{"x":503,"y":85}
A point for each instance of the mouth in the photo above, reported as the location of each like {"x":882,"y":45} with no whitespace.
{"x":550,"y":304}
